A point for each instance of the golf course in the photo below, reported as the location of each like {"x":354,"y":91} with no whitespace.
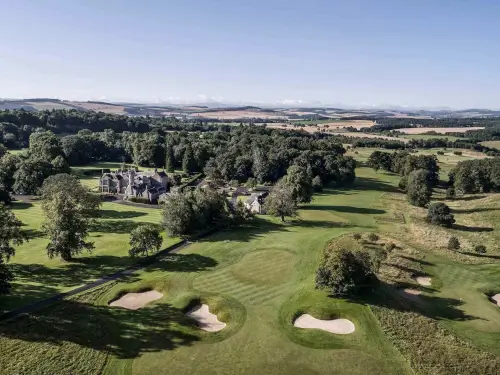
{"x":257,"y":280}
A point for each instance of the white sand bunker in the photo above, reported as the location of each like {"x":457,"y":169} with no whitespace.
{"x":412,"y":292}
{"x":337,"y":326}
{"x":423,"y":280}
{"x":496,"y":298}
{"x":134,"y":301}
{"x":206,"y":320}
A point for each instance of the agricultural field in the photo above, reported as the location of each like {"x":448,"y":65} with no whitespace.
{"x":430,"y":136}
{"x":493,"y":144}
{"x":258,"y":279}
{"x":438,"y":130}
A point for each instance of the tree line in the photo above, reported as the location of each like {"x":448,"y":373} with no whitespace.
{"x":475,"y":176}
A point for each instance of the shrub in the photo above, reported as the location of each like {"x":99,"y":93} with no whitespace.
{"x":440,"y":152}
{"x":459,"y":153}
{"x":453,"y":243}
{"x":440,"y":214}
{"x":390,"y":246}
{"x":373,"y":237}
{"x":450,"y":193}
{"x":403,"y":183}
{"x":139,"y":200}
{"x":356,"y":236}
{"x":480,"y":249}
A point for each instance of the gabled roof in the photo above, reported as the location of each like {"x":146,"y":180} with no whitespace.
{"x":162,"y":174}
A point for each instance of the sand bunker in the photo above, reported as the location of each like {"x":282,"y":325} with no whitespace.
{"x":423,"y":280}
{"x":412,"y":292}
{"x":206,"y":320}
{"x":134,"y":301}
{"x":337,"y":326}
{"x":496,"y":298}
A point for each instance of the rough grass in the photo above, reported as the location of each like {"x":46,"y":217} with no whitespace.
{"x":39,"y":277}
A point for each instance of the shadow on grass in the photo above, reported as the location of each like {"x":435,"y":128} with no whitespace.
{"x":486,"y":256}
{"x":115,"y":331}
{"x":112,"y":214}
{"x":345,"y":209}
{"x":114,"y":226}
{"x":384,"y":295}
{"x":421,"y":261}
{"x":470,"y":228}
{"x":20,"y":205}
{"x":33,"y":233}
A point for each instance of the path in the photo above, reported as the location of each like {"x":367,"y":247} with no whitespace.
{"x":106,"y":279}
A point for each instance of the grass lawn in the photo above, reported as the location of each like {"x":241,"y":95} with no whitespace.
{"x":39,"y":277}
{"x":258,"y":279}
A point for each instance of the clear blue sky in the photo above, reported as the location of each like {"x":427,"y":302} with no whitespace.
{"x":356,"y":52}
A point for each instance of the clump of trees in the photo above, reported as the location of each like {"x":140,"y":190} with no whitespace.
{"x":440,"y":214}
{"x":10,"y":236}
{"x":189,"y":213}
{"x":144,"y":239}
{"x":344,"y":272}
{"x":476,"y":176}
{"x":69,"y":209}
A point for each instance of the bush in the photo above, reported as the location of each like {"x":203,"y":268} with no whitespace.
{"x":480,"y":249}
{"x":459,"y":153}
{"x":390,"y":246}
{"x":453,"y":243}
{"x":403,"y":183}
{"x":440,"y":214}
{"x":317,"y":184}
{"x":373,"y":237}
{"x":450,"y":193}
{"x":356,"y":236}
{"x":139,"y":200}
{"x":440,"y":152}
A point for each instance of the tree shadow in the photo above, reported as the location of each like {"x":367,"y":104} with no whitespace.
{"x":470,"y":228}
{"x":20,"y":205}
{"x":474,"y":210}
{"x":182,"y":263}
{"x":113,"y":226}
{"x":367,"y":183}
{"x":33,"y":233}
{"x":112,"y":214}
{"x":345,"y":209}
{"x":480,"y":255}
{"x":469,"y":198}
{"x":421,"y":261}
{"x":388,"y":296}
{"x":115,"y":331}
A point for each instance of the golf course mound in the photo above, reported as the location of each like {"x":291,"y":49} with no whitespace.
{"x":206,"y":320}
{"x":496,"y":299}
{"x":336,"y":326}
{"x":134,"y":301}
{"x":423,"y":280}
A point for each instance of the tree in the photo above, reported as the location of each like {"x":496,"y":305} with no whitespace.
{"x":45,"y":146}
{"x":480,"y":249}
{"x":178,"y":215}
{"x":8,"y":166}
{"x":30,"y":175}
{"x":68,"y":208}
{"x":344,"y":272}
{"x":251,"y":183}
{"x":299,"y":180}
{"x":4,"y":195}
{"x":453,"y":243}
{"x":188,"y":161}
{"x":373,"y":237}
{"x":317,"y":184}
{"x":440,"y":214}
{"x":356,"y":236}
{"x":10,"y":236}
{"x":281,"y":202}
{"x":60,"y":165}
{"x":170,"y":159}
{"x":143,"y":239}
{"x":418,"y":191}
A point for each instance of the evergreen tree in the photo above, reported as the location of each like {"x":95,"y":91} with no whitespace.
{"x":170,"y":159}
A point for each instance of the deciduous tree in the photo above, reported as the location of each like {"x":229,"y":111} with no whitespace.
{"x":281,"y":202}
{"x":69,"y":209}
{"x":145,"y":239}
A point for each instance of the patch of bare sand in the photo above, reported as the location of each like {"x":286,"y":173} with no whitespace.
{"x":496,"y":299}
{"x":206,"y":320}
{"x":336,"y":326}
{"x":134,"y":301}
{"x":412,"y":292}
{"x":423,"y":280}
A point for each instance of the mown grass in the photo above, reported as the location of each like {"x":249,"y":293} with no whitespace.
{"x":37,"y":276}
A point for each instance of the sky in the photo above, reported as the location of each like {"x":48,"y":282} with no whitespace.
{"x":358,"y":53}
